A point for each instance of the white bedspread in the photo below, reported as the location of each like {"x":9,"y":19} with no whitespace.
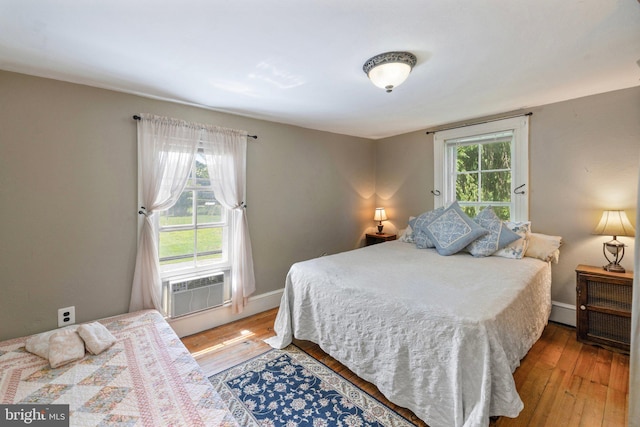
{"x":438,"y":335}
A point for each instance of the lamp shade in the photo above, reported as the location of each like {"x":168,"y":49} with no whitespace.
{"x":380,"y":215}
{"x":614,"y":223}
{"x":389,"y":70}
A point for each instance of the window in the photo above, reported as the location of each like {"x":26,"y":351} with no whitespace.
{"x":482,"y":169}
{"x":484,"y":165}
{"x":194,"y":242}
{"x":194,"y":233}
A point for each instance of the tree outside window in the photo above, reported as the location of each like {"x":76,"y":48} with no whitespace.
{"x":481,"y":165}
{"x":483,"y":177}
{"x":193,"y":232}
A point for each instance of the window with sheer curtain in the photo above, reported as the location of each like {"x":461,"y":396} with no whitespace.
{"x":193,"y":234}
{"x":192,"y":193}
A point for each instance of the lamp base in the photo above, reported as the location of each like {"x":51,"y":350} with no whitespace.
{"x":613,"y":267}
{"x":380,"y":229}
{"x":616,"y":249}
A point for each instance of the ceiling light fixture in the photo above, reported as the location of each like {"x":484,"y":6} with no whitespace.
{"x":388,"y":70}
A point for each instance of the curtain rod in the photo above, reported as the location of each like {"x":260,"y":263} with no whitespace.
{"x":479,"y":123}
{"x":137,"y":117}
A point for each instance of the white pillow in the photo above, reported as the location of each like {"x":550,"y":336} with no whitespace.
{"x":407,"y":235}
{"x":544,"y":247}
{"x":39,"y":344}
{"x":96,"y":337}
{"x":65,"y":346}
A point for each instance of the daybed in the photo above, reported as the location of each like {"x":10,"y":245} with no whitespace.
{"x":147,"y":378}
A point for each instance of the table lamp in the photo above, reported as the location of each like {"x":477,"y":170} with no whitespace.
{"x":380,"y":215}
{"x":614,"y":223}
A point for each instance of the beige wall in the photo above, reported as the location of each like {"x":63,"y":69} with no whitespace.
{"x":68,"y":197}
{"x":584,"y":157}
{"x":68,"y":191}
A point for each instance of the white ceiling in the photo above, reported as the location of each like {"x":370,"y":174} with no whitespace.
{"x":300,"y":62}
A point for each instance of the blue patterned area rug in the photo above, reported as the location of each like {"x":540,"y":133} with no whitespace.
{"x":290,"y":388}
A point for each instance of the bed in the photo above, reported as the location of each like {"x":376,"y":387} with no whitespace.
{"x":440,"y":335}
{"x":147,"y":378}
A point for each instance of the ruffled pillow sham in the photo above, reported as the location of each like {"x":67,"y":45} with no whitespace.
{"x":516,"y":249}
{"x":407,"y":235}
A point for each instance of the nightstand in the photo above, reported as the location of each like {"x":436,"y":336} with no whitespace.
{"x":603,"y":307}
{"x":372,"y":239}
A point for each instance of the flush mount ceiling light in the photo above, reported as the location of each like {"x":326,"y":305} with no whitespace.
{"x":388,"y":70}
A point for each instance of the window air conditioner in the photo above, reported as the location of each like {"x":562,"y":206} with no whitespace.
{"x":188,"y":295}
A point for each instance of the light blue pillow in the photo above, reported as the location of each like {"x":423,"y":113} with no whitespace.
{"x":419,"y":226}
{"x":453,"y":230}
{"x":498,"y":237}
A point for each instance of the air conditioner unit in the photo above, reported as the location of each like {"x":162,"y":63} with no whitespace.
{"x":191,"y":294}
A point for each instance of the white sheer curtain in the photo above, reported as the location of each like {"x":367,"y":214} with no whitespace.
{"x":226,"y":153}
{"x":634,"y":369}
{"x":166,"y":148}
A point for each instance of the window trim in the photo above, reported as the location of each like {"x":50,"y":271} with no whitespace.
{"x":519,"y":155}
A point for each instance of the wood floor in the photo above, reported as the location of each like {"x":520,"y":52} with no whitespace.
{"x":561,"y":381}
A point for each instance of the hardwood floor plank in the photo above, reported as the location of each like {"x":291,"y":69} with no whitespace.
{"x":522,"y":373}
{"x":619,"y":379}
{"x":614,"y":410}
{"x":553,"y":351}
{"x":602,"y":368}
{"x":565,"y":404}
{"x":547,"y":399}
{"x":595,"y":399}
{"x":586,"y":362}
{"x":221,"y":348}
{"x":531,"y":393}
{"x":570,"y":352}
{"x":561,"y":381}
{"x":578,"y":414}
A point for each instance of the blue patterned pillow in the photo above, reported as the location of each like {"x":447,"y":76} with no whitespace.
{"x":453,"y":230}
{"x":498,"y":237}
{"x":419,"y":226}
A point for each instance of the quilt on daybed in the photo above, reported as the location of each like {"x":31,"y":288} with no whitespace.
{"x":147,"y":378}
{"x":438,"y":335}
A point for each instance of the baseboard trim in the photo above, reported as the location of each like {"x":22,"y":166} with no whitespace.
{"x":198,"y":322}
{"x":563,"y":313}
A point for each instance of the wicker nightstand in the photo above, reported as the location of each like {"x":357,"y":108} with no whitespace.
{"x":604,"y":307}
{"x":372,"y":239}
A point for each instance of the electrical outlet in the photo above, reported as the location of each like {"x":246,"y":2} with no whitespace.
{"x":66,"y":316}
